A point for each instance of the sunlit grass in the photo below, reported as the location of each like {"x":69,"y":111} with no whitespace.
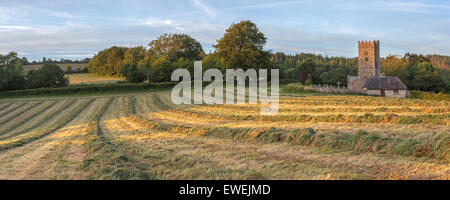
{"x":146,"y":136}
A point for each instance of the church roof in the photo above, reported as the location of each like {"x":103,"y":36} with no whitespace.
{"x":385,"y":83}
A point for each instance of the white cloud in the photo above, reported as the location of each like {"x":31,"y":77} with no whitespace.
{"x":158,"y":23}
{"x":34,"y":10}
{"x":205,"y":8}
{"x":75,"y":55}
{"x":8,"y":28}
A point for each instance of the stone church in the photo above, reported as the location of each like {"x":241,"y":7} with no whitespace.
{"x":370,"y":79}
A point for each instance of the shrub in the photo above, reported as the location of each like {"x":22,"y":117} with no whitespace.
{"x":50,"y":75}
{"x":132,"y":74}
{"x":295,"y":87}
{"x":287,"y":81}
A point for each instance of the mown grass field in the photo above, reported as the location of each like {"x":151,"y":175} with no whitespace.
{"x":145,"y":136}
{"x":86,"y":78}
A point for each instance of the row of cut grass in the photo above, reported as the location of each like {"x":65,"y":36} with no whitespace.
{"x":362,"y":101}
{"x":157,"y":101}
{"x":438,"y":119}
{"x":4,"y":106}
{"x":13,"y":108}
{"x":24,"y":139}
{"x":327,"y":108}
{"x":435,"y":147}
{"x":43,"y":121}
{"x":19,"y":123}
{"x":15,"y":115}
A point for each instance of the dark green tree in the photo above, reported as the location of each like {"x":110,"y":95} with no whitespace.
{"x":49,"y":75}
{"x":175,"y":46}
{"x":108,"y":62}
{"x":307,"y":70}
{"x":336,"y":76}
{"x":132,"y":73}
{"x":11,"y":72}
{"x":242,"y":47}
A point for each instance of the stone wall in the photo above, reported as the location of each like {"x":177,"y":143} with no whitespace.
{"x":357,"y":84}
{"x":401,"y":93}
{"x":328,"y":88}
{"x":373,"y":92}
{"x":389,"y":93}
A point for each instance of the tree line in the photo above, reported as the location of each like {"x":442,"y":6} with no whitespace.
{"x":415,"y":70}
{"x":242,"y":47}
{"x":12,"y":76}
{"x":49,"y":60}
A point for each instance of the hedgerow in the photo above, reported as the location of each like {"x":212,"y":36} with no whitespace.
{"x":88,"y":89}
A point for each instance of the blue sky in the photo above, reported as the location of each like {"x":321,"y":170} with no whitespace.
{"x":78,"y":29}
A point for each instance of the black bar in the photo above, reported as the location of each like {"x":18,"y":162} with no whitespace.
{"x":307,"y":190}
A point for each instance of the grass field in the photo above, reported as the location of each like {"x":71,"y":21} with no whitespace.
{"x":145,"y":136}
{"x":86,"y":78}
{"x":62,"y":65}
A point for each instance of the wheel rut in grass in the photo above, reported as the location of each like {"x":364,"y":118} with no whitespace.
{"x":108,"y":158}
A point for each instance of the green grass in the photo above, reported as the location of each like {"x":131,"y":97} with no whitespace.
{"x":97,"y":89}
{"x":131,"y":105}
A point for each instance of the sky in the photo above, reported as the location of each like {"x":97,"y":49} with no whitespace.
{"x":78,"y":29}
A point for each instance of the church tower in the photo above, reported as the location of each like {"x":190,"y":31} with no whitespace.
{"x":368,"y":59}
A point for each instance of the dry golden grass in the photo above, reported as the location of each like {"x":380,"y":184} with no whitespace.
{"x":85,"y":78}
